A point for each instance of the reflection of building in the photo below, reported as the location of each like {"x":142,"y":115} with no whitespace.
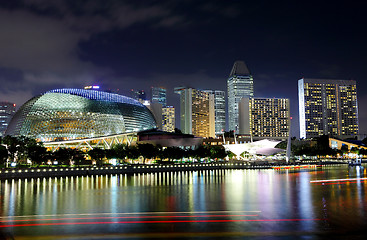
{"x":196,"y":112}
{"x":239,"y":85}
{"x":264,"y":117}
{"x":78,"y":114}
{"x":219,"y":109}
{"x":7,"y":111}
{"x":327,"y":107}
{"x":168,"y":119}
{"x":159,"y":96}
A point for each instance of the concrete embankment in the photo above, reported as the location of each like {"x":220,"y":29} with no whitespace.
{"x":122,"y":169}
{"x":130,"y":169}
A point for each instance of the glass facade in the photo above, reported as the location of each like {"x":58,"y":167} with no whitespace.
{"x":7,"y":110}
{"x":240,"y":84}
{"x":159,"y":96}
{"x":70,"y":114}
{"x":220,"y":110}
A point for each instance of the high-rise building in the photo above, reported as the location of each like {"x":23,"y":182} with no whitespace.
{"x":327,"y":107}
{"x":219,"y":109}
{"x":240,"y":84}
{"x":168,"y":119}
{"x":7,"y":111}
{"x":159,"y":95}
{"x":196,"y":112}
{"x":264,"y":117}
{"x":138,"y":95}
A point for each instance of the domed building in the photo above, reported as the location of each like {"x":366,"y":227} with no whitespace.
{"x":81,"y":117}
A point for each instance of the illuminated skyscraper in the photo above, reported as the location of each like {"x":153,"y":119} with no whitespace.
{"x":7,"y":111}
{"x":159,"y":95}
{"x":264,"y":117}
{"x":240,"y":84}
{"x":168,"y":119}
{"x":196,"y":112}
{"x":327,"y":107}
{"x":219,"y":109}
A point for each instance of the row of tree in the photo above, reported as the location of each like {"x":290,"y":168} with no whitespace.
{"x":22,"y":150}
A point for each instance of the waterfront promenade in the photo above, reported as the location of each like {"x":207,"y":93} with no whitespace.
{"x":147,"y":168}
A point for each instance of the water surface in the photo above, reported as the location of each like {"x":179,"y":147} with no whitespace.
{"x":222,"y":204}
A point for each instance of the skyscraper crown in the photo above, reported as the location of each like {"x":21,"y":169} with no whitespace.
{"x":240,"y":69}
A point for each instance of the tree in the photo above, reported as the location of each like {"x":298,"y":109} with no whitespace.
{"x":97,"y":154}
{"x":217,"y":152}
{"x":344,"y":148}
{"x":37,"y":153}
{"x":178,"y":131}
{"x":132,"y":152}
{"x":147,"y":151}
{"x":3,"y":154}
{"x":120,"y":151}
{"x":77,"y":156}
{"x":12,"y":144}
{"x":64,"y":155}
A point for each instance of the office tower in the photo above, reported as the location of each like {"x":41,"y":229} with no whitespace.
{"x":138,"y":95}
{"x":327,"y":107}
{"x":264,"y":117}
{"x":159,"y":95}
{"x":7,"y":111}
{"x":196,"y":112}
{"x":168,"y":119}
{"x":240,"y":84}
{"x":219,"y":109}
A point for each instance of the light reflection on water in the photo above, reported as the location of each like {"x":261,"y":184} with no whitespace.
{"x":288,"y":195}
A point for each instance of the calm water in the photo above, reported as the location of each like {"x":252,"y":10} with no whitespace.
{"x":221,"y":204}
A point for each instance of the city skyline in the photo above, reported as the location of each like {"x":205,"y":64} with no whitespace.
{"x":135,"y":45}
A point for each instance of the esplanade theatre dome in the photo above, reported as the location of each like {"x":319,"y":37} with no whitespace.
{"x":71,"y":114}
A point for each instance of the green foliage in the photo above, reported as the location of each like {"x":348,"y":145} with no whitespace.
{"x":148,"y":151}
{"x":3,"y":154}
{"x":282,"y":145}
{"x":97,"y":154}
{"x":321,"y":148}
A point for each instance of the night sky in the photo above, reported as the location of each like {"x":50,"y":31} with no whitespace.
{"x":47,"y":44}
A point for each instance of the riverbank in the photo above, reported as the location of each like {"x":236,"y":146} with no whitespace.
{"x":141,"y":168}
